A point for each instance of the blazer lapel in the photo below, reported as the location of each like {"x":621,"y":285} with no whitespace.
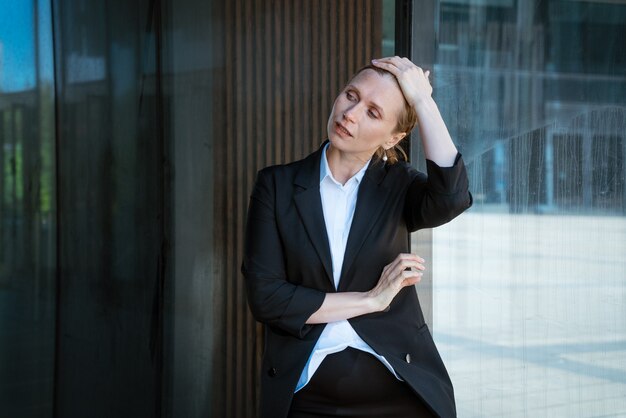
{"x":309,"y":205}
{"x":370,"y":201}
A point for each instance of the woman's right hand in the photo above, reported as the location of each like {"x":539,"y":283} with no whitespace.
{"x":405,"y":270}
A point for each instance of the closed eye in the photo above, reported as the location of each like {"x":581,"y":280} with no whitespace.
{"x":351,"y":96}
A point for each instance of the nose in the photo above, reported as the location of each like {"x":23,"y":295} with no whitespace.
{"x":350,"y":114}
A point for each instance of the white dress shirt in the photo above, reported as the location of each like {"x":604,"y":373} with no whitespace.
{"x":338,"y":203}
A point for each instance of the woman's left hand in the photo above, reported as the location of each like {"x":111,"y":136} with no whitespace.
{"x":412,"y":79}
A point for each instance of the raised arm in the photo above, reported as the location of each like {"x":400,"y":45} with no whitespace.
{"x":442,"y":195}
{"x":414,"y":83}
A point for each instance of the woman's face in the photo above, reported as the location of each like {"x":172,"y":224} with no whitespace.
{"x":365,"y":115}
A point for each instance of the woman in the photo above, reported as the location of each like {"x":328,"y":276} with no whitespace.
{"x":326,"y":257}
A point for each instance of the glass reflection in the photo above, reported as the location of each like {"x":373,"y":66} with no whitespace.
{"x":530,"y":285}
{"x":27,"y":210}
{"x":111,"y":205}
{"x":17,"y":45}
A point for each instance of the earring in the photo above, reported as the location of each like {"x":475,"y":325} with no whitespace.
{"x":385,"y":155}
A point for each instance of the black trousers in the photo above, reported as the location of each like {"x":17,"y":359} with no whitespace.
{"x":353,"y":383}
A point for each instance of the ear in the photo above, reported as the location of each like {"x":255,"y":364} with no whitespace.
{"x":395,"y":138}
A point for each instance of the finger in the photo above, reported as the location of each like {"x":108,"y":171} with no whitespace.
{"x":406,"y":262}
{"x":400,"y":64}
{"x":397,"y":61}
{"x":385,"y":59}
{"x":401,"y":280}
{"x":402,"y":262}
{"x":411,"y":281}
{"x":411,"y":264}
{"x":417,"y":269}
{"x":393,"y":282}
{"x":409,"y":256}
{"x":407,"y":274}
{"x":386,"y":65}
{"x":420,"y":266}
{"x":408,"y":277}
{"x":411,"y":259}
{"x":427,"y":73}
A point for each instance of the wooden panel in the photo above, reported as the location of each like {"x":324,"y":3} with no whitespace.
{"x":285,"y":63}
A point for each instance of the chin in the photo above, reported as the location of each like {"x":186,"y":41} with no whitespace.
{"x":337,"y":142}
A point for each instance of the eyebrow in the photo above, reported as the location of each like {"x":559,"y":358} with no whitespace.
{"x":380,"y":109}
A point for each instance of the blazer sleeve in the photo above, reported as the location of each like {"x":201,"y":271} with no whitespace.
{"x":273,"y":300}
{"x":439,"y":197}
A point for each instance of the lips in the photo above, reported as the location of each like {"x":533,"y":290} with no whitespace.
{"x":342,"y":129}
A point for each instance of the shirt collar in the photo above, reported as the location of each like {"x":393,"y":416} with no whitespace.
{"x":325,"y":169}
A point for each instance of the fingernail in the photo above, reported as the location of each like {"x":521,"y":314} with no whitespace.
{"x":374,"y":61}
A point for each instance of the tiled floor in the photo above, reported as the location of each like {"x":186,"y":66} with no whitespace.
{"x":530,"y":314}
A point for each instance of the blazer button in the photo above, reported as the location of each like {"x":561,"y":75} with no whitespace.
{"x":272,"y":372}
{"x":407,"y":358}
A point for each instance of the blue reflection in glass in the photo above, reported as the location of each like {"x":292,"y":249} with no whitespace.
{"x":17,"y":46}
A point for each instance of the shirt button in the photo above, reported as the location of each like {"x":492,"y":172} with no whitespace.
{"x":407,"y":358}
{"x":272,"y":372}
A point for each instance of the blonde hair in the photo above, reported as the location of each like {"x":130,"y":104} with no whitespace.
{"x":407,"y":119}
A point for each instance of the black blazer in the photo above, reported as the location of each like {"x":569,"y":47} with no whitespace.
{"x":287,"y":269}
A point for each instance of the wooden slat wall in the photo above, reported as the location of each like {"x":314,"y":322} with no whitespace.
{"x":285,"y":63}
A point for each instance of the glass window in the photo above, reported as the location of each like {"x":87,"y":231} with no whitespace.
{"x":27,"y":210}
{"x":529,"y":290}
